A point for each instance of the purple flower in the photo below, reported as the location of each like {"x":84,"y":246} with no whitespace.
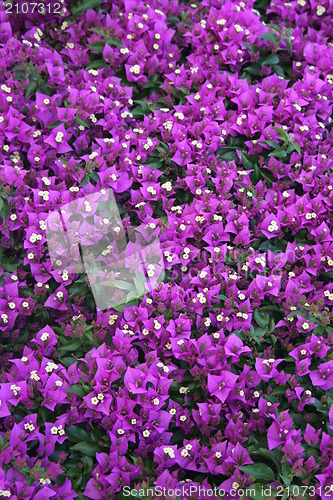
{"x":323,"y":376}
{"x":221,"y":385}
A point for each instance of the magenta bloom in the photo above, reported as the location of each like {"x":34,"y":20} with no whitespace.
{"x":221,"y":385}
{"x":58,"y":139}
{"x":271,"y":226}
{"x":323,"y":376}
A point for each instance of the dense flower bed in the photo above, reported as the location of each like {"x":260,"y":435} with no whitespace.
{"x":211,"y":122}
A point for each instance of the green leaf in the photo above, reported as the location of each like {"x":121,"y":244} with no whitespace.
{"x":278,"y":153}
{"x":77,"y":482}
{"x":256,"y":174}
{"x":119,"y":307}
{"x":289,"y":149}
{"x":51,"y":126}
{"x":287,"y":475}
{"x":84,"y":123}
{"x":256,"y":334}
{"x":173,"y":19}
{"x":221,"y":296}
{"x":95,"y":434}
{"x":68,"y":361}
{"x":296,"y":147}
{"x":71,"y":346}
{"x":8,"y":264}
{"x":77,"y":434}
{"x":226,"y":154}
{"x":88,"y":4}
{"x":152,"y":85}
{"x":5,"y":210}
{"x":169,"y":313}
{"x":98,"y":64}
{"x":31,"y":88}
{"x":283,"y":133}
{"x":271,"y":455}
{"x":289,"y":45}
{"x":271,"y":326}
{"x":131,"y":296}
{"x":78,"y":390}
{"x":267,"y":176}
{"x":246,"y":162}
{"x":115,"y":42}
{"x":157,"y":165}
{"x":89,"y":448}
{"x":251,"y":48}
{"x":140,"y":281}
{"x":272,"y":144}
{"x":281,"y":391}
{"x":270,"y":36}
{"x":272,"y":307}
{"x":261,"y":318}
{"x":97,"y":47}
{"x":279,"y":71}
{"x":78,"y":289}
{"x":140,"y":276}
{"x":271,"y":59}
{"x":254,"y":69}
{"x":259,"y":471}
{"x":140,"y":288}
{"x":123,"y":285}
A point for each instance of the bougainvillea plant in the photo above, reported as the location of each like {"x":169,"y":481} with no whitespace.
{"x":211,"y":123}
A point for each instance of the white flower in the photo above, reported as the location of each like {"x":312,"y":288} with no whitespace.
{"x":135,"y":69}
{"x":50,"y":367}
{"x":59,"y":137}
{"x":320,"y":10}
{"x":157,"y":325}
{"x":15,"y":388}
{"x":273,"y":226}
{"x":34,"y":376}
{"x":4,"y":318}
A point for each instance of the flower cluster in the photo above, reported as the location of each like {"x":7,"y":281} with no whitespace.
{"x":211,"y":123}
